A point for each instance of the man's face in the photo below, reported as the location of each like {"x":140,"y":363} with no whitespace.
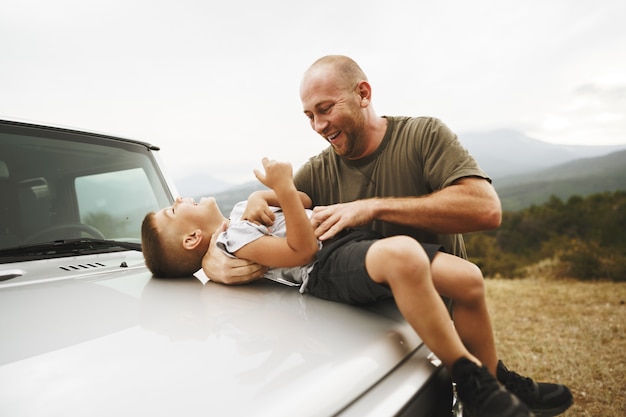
{"x":334,"y":112}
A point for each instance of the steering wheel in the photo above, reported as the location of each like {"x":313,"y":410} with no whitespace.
{"x":53,"y":230}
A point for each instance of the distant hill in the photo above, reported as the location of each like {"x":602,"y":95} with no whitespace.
{"x":525,"y":171}
{"x":580,"y":177}
{"x":228,"y":198}
{"x":504,"y":153}
{"x":200,"y":185}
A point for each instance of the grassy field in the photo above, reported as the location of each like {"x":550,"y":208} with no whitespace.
{"x":566,"y":331}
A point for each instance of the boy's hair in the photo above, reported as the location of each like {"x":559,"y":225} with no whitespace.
{"x":164,"y":254}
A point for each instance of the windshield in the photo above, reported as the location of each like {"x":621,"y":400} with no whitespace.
{"x":58,"y":185}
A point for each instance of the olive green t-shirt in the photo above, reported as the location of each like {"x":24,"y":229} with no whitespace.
{"x":418,"y":155}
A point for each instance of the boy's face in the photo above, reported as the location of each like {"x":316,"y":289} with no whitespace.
{"x":185,"y":216}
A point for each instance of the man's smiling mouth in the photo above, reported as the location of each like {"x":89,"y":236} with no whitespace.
{"x":333,"y":136}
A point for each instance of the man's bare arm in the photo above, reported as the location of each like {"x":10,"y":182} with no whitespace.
{"x":470,"y":204}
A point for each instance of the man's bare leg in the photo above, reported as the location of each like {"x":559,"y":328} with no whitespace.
{"x":463,"y":282}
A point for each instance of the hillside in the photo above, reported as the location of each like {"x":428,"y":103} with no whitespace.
{"x":581,"y":177}
{"x":200,"y":185}
{"x":227,"y":199}
{"x":581,"y":237}
{"x":525,"y":171}
{"x":503,"y":153}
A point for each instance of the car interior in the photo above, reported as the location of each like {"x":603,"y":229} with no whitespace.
{"x":65,"y":187}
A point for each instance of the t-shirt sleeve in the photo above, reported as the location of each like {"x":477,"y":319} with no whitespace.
{"x":445,"y":158}
{"x":239,"y":234}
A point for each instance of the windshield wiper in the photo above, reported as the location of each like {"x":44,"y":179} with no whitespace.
{"x":59,"y":248}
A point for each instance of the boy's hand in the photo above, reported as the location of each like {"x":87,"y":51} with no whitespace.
{"x":258,"y":211}
{"x":277,"y":174}
{"x":226,"y":270}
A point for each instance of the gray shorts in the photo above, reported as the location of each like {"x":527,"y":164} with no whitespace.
{"x":340,"y":273}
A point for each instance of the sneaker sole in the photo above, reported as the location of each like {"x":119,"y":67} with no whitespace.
{"x":553,"y":411}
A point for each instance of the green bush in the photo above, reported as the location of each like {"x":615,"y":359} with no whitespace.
{"x":586,"y":235}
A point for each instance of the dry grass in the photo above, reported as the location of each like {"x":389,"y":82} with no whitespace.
{"x":566,"y":331}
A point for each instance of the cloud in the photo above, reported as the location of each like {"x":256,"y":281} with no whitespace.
{"x":216,"y":84}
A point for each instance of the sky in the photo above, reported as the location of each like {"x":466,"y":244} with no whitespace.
{"x":215,"y":84}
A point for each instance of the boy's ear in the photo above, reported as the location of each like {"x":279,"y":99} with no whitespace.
{"x":192,"y":239}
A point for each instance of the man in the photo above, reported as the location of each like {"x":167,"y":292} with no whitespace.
{"x":400,"y":176}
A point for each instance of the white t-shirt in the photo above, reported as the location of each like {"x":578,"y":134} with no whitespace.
{"x":241,"y":232}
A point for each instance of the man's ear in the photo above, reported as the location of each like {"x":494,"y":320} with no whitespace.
{"x":364,"y":90}
{"x":192,"y":240}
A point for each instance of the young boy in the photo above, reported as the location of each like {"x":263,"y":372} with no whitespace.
{"x":357,"y":267}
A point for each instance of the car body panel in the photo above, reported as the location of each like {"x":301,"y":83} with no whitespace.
{"x":241,"y":342}
{"x":95,"y":334}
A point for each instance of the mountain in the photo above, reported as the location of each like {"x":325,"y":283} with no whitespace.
{"x":199,"y":185}
{"x":581,"y":177}
{"x":524,"y":170}
{"x":228,"y":198}
{"x":505,"y":152}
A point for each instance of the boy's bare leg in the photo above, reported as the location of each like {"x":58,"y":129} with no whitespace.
{"x":463,"y":282}
{"x":401,"y":263}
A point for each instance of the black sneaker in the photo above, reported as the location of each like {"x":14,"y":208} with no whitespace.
{"x":481,"y":395}
{"x":544,"y":399}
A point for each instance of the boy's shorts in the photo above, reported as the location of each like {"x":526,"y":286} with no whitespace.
{"x":340,"y":274}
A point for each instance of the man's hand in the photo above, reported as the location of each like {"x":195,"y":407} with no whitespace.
{"x":330,"y":220}
{"x":468,"y":205}
{"x":221,"y":268}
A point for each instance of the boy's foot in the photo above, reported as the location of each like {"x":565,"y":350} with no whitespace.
{"x":481,"y":395}
{"x":544,"y":399}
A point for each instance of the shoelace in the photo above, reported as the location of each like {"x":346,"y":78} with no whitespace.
{"x":481,"y":381}
{"x":519,"y":384}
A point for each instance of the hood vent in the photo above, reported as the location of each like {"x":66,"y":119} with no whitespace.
{"x":82,"y":267}
{"x":10,"y":274}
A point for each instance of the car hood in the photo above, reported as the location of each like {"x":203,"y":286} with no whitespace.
{"x":115,"y":341}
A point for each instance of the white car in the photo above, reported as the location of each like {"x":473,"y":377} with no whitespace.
{"x":87,"y":331}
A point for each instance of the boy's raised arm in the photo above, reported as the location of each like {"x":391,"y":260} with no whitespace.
{"x":300,"y":245}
